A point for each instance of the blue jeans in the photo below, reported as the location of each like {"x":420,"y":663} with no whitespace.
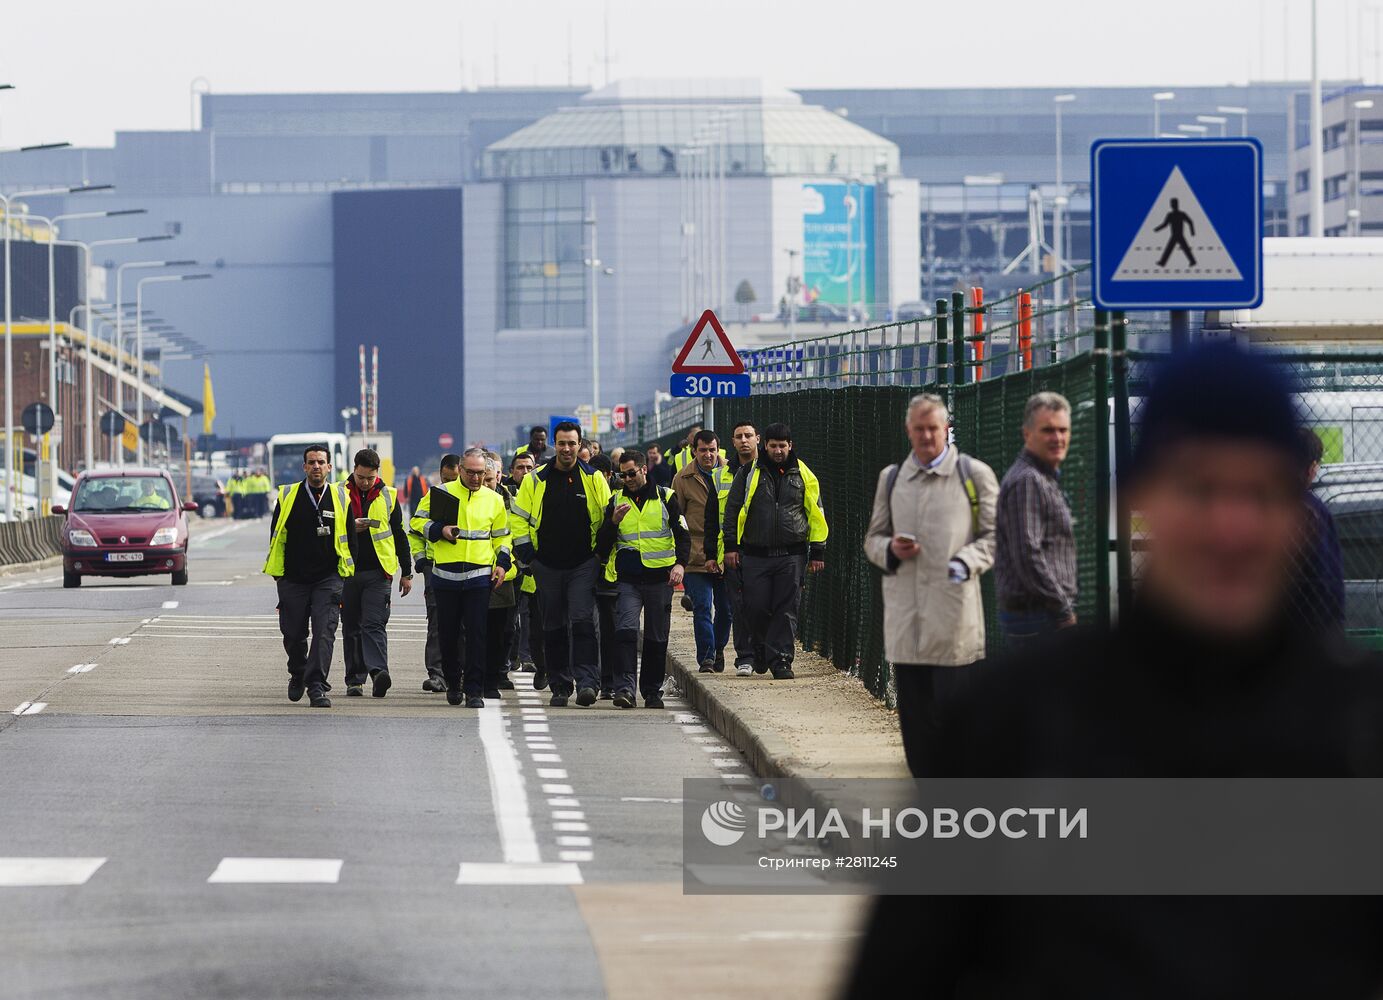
{"x":707,"y":591}
{"x":1021,"y":627}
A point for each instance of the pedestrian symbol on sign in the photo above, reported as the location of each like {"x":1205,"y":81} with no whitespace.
{"x":1161,"y":248}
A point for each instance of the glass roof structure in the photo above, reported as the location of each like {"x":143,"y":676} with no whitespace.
{"x":661,"y":127}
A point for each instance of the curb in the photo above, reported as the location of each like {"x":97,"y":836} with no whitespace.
{"x":13,"y":569}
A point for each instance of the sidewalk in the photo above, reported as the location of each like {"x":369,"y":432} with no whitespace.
{"x":820,"y":727}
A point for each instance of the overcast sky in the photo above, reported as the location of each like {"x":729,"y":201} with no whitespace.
{"x":87,"y":68}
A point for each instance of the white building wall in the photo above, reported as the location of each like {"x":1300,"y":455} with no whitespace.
{"x":903,"y":197}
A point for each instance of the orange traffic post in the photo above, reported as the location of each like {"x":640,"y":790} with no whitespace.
{"x":977,"y":304}
{"x":1025,"y":328}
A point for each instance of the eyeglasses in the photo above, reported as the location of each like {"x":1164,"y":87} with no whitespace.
{"x":473,"y":472}
{"x":631,"y":473}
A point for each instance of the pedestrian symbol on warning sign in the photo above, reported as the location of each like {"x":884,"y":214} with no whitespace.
{"x":1161,"y":248}
{"x":1177,"y":224}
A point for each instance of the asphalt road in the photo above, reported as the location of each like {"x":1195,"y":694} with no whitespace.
{"x":172,"y":826}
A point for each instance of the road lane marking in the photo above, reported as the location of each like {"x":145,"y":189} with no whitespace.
{"x":558,"y":790}
{"x":573,"y":841}
{"x":552,"y":773}
{"x":643,"y":798}
{"x":725,"y":762}
{"x":547,"y":758}
{"x":170,"y":604}
{"x":519,"y":873}
{"x":82,"y":668}
{"x":28,"y":872}
{"x":277,"y":871}
{"x":30,"y":708}
{"x":123,"y":640}
{"x":517,"y":840}
{"x":568,"y":814}
{"x":572,"y":827}
{"x":576,"y":855}
{"x":560,"y":803}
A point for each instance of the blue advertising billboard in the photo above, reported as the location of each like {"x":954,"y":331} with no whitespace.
{"x":837,"y":243}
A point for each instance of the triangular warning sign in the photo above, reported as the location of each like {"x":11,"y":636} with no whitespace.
{"x":1177,"y":241}
{"x":708,"y":351}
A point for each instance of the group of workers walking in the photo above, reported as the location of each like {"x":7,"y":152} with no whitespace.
{"x":557,"y":567}
{"x":248,"y":494}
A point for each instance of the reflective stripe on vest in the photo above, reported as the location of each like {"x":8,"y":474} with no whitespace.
{"x":650,"y":534}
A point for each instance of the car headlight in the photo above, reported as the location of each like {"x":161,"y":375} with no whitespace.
{"x":81,"y":539}
{"x":164,"y":536}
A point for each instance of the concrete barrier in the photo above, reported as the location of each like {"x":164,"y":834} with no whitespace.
{"x":33,"y":540}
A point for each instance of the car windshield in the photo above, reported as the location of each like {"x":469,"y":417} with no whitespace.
{"x":123,"y":495}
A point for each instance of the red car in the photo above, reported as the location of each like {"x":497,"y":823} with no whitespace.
{"x":124,"y":522}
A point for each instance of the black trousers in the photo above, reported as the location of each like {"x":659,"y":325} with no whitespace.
{"x":461,"y":625}
{"x":605,"y":613}
{"x":499,"y":633}
{"x":924,"y":695}
{"x":772,"y":587}
{"x":741,"y":635}
{"x":568,"y":607}
{"x":314,"y":606}
{"x":653,"y":603}
{"x":365,"y":608}
{"x":432,"y":649}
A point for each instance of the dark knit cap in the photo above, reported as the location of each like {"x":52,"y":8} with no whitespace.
{"x":1215,"y":390}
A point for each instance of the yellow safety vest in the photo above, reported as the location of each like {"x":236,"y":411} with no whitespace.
{"x":381,"y":510}
{"x":811,"y":497}
{"x":345,"y":565}
{"x":484,"y":525}
{"x":724,"y":478}
{"x":648,"y":531}
{"x":526,"y":512}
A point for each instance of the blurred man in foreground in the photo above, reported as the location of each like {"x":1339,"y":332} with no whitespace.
{"x":1205,"y":676}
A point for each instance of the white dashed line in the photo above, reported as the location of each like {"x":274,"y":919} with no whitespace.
{"x":277,"y":871}
{"x":514,"y":873}
{"x":30,"y":708}
{"x":82,"y":668}
{"x":169,"y":605}
{"x":576,"y":855}
{"x":547,"y":758}
{"x":517,"y":839}
{"x":558,"y":790}
{"x":572,"y":827}
{"x":725,"y":762}
{"x":30,"y":872}
{"x":552,"y":773}
{"x":641,"y":798}
{"x":573,"y":841}
{"x":123,"y":640}
{"x":562,"y":803}
{"x":568,"y":814}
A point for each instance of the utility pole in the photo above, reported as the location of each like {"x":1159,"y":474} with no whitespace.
{"x":1317,"y":152}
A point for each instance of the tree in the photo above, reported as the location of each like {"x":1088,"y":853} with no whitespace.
{"x":744,"y":295}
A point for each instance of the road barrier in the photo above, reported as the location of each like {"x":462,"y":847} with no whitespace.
{"x":33,"y":540}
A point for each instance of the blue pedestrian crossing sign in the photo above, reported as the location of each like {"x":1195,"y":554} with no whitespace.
{"x":1177,"y":223}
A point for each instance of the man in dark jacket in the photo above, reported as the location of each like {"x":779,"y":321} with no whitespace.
{"x":644,"y":527}
{"x":1204,"y":676}
{"x":775,"y":529}
{"x":1318,"y":586}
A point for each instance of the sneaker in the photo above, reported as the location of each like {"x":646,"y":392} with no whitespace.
{"x":475,"y":701}
{"x":707,"y":666}
{"x":606,"y":694}
{"x":720,"y":663}
{"x":434,"y":684}
{"x":505,"y":684}
{"x":491,"y":693}
{"x":744,"y":670}
{"x":382,"y":684}
{"x":355,"y":690}
{"x":624,"y":700}
{"x":539,"y":680}
{"x":295,"y":689}
{"x":687,"y":604}
{"x":653,"y":701}
{"x":558,"y":701}
{"x":585,"y":697}
{"x":453,"y":697}
{"x":760,"y":667}
{"x":783,"y":674}
{"x":319,"y":700}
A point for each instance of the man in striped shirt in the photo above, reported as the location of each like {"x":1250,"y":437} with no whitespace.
{"x":1035,"y":555}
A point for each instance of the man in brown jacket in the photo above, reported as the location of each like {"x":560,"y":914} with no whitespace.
{"x":932,"y":533}
{"x":700,"y":486}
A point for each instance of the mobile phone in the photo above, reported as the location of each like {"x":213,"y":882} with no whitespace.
{"x":907,"y":537}
{"x":373,"y":522}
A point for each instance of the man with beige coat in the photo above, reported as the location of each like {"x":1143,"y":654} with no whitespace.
{"x":932,"y":534}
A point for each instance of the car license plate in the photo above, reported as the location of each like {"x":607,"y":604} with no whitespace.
{"x":124,"y":557}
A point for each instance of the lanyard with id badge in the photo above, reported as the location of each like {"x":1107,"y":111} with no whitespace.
{"x":323,"y":531}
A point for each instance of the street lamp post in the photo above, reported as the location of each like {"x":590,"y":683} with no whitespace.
{"x":120,"y":329}
{"x":1243,"y":113}
{"x":598,"y":268}
{"x":1200,"y":130}
{"x":1317,"y":151}
{"x":1358,"y":209}
{"x":346,"y":414}
{"x":1219,"y":120}
{"x":1158,"y":98}
{"x":139,"y":346}
{"x":1058,"y":208}
{"x":5,"y":202}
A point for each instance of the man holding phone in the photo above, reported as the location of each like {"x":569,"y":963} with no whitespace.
{"x":382,"y":550}
{"x":932,"y":533}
